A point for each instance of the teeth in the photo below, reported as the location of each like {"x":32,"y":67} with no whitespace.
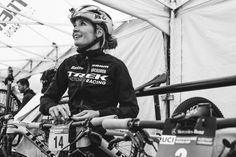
{"x":77,"y":36}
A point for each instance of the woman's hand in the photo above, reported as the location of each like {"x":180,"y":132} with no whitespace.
{"x":61,"y":110}
{"x":85,"y":114}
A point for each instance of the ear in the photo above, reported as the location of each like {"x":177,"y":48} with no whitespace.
{"x":99,"y":32}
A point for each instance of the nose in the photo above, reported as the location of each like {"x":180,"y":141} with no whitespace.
{"x":76,"y":29}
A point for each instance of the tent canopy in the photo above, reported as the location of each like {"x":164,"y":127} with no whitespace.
{"x":34,"y":35}
{"x":202,"y":40}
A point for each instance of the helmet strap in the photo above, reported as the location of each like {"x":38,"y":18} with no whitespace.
{"x":99,"y":39}
{"x":83,"y":49}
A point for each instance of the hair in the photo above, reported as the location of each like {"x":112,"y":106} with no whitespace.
{"x":23,"y":82}
{"x":110,"y":42}
{"x":46,"y":79}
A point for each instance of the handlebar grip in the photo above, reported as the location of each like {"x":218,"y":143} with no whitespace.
{"x":97,"y":121}
{"x":32,"y":125}
{"x":156,"y":124}
{"x":116,"y":123}
{"x":226,"y":123}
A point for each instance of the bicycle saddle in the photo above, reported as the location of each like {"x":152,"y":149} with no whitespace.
{"x":199,"y":110}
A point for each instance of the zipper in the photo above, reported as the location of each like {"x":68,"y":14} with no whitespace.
{"x":82,"y":82}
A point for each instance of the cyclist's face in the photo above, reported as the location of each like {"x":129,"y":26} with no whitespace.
{"x":83,"y":33}
{"x":21,"y":88}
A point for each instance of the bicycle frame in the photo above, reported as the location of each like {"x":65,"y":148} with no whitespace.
{"x":12,"y":127}
{"x":101,"y":143}
{"x":106,"y":147}
{"x":16,"y":127}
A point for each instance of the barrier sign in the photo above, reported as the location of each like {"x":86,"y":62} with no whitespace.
{"x":188,"y":138}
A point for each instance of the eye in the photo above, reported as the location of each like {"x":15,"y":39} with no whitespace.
{"x":79,"y":23}
{"x":82,"y":23}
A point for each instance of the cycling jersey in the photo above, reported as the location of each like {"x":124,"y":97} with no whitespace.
{"x":95,"y":80}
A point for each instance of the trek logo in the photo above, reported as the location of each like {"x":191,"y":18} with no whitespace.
{"x":167,"y":139}
{"x":91,"y":78}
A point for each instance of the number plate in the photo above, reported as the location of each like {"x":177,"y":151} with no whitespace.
{"x":58,"y":138}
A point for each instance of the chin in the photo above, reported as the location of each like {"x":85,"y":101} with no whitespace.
{"x":78,"y":44}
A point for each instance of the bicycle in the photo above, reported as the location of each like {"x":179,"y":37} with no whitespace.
{"x":11,"y":127}
{"x":86,"y":136}
{"x":186,"y":135}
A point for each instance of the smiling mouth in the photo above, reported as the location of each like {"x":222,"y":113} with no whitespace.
{"x":77,"y":36}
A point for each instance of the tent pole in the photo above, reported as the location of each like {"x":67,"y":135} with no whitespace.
{"x":166,"y":98}
{"x":168,"y":52}
{"x":56,"y":55}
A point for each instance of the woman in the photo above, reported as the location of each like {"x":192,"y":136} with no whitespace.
{"x":96,"y":82}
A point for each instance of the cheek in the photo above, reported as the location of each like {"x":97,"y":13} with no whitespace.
{"x":90,"y":35}
{"x":89,"y":31}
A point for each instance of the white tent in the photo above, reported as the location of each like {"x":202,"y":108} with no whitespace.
{"x":202,"y":42}
{"x":43,"y":40}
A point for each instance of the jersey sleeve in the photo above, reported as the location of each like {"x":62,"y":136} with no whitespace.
{"x":55,"y":90}
{"x":128,"y":106}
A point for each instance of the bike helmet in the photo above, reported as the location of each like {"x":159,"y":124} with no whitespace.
{"x":95,"y":15}
{"x":99,"y":18}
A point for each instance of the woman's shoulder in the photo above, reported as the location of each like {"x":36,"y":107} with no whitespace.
{"x":71,"y":59}
{"x":114,"y":59}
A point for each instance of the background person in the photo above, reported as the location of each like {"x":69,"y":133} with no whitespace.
{"x":46,"y":79}
{"x":23,"y":87}
{"x":96,"y":81}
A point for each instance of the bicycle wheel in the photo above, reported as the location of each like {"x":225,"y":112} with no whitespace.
{"x":127,"y":148}
{"x":187,"y":104}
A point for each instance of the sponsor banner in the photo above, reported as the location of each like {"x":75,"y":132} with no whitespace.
{"x":167,"y":139}
{"x":186,"y":150}
{"x":21,"y":6}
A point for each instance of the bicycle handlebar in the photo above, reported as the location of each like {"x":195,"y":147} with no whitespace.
{"x":225,"y":123}
{"x":116,"y":123}
{"x":110,"y":122}
{"x":94,"y":122}
{"x":129,"y":123}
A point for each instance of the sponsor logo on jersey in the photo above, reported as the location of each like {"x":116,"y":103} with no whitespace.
{"x":100,"y":66}
{"x":101,"y":71}
{"x":91,"y":78}
{"x":77,"y":68}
